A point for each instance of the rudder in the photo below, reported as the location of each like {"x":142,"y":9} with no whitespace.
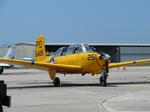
{"x":11,"y":52}
{"x":40,"y":53}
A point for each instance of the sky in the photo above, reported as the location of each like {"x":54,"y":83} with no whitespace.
{"x":75,"y":21}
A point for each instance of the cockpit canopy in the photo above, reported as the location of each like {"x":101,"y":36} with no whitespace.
{"x":73,"y":49}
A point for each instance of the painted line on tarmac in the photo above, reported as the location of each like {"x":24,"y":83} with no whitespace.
{"x":105,"y":108}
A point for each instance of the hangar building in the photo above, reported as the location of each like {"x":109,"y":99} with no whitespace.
{"x":118,"y":52}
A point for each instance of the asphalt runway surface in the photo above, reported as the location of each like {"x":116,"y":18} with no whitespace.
{"x":32,"y":91}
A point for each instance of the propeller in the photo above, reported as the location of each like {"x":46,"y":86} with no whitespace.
{"x":107,"y":58}
{"x":103,"y":78}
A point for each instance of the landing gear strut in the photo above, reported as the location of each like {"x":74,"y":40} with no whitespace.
{"x":1,"y":70}
{"x":56,"y":82}
{"x":103,"y":79}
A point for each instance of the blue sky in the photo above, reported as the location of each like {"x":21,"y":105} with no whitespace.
{"x":75,"y":21}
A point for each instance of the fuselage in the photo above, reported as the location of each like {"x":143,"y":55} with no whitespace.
{"x":79,"y":55}
{"x":90,"y":62}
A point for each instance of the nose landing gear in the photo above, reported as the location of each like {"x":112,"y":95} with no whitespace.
{"x":103,"y":79}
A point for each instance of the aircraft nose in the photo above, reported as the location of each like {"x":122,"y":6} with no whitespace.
{"x":106,"y":60}
{"x":105,"y":56}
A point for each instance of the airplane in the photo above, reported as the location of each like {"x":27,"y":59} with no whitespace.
{"x":10,"y":54}
{"x":75,"y":59}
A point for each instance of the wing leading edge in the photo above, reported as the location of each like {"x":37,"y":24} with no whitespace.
{"x":41,"y":65}
{"x":113,"y":65}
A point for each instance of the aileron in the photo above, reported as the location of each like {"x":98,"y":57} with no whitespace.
{"x":113,"y":65}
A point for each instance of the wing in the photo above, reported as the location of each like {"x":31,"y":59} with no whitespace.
{"x":113,"y":65}
{"x":5,"y":65}
{"x":43,"y":66}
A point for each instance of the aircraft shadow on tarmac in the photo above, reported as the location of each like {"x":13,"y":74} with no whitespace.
{"x":50,"y":85}
{"x":22,"y":73}
{"x":63,"y":84}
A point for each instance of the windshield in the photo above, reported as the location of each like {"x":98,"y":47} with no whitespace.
{"x":86,"y":48}
{"x":72,"y":49}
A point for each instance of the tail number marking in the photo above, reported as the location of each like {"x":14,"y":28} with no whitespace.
{"x":39,"y":53}
{"x":39,"y":44}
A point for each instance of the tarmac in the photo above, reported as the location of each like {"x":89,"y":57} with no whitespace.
{"x":32,"y":91}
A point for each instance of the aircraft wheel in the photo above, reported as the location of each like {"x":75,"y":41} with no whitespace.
{"x":1,"y":109}
{"x":103,"y":81}
{"x":1,"y":70}
{"x":56,"y":82}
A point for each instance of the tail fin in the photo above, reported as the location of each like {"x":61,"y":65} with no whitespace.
{"x":11,"y":52}
{"x":40,"y":53}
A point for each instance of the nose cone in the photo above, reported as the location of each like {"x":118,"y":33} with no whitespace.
{"x":106,"y":56}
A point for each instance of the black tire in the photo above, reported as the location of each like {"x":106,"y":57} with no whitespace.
{"x":56,"y":82}
{"x":1,"y":71}
{"x":103,"y":81}
{"x":1,"y":109}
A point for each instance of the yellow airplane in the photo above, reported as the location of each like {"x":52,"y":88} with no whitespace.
{"x":75,"y":59}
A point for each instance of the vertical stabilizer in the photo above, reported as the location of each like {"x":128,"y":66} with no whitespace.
{"x":11,"y":52}
{"x":40,"y":53}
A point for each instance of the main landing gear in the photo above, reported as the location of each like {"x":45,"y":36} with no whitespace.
{"x":1,"y":70}
{"x":56,"y":82}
